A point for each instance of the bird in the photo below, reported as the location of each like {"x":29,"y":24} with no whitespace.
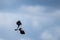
{"x":19,"y":28}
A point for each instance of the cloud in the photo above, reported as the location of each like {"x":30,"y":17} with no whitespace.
{"x":34,"y":17}
{"x":44,"y":21}
{"x":12,"y":5}
{"x":8,"y":18}
{"x":37,"y":10}
{"x":1,"y":39}
{"x":51,"y":33}
{"x":46,"y":36}
{"x":38,"y":15}
{"x":32,"y":9}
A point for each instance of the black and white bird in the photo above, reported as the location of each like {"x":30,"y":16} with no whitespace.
{"x":19,"y":28}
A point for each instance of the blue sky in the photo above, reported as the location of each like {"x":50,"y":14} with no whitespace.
{"x":40,"y":19}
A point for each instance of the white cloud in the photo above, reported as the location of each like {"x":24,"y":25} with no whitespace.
{"x":47,"y":36}
{"x":56,"y":32}
{"x":35,"y":21}
{"x":1,"y":39}
{"x":6,"y":19}
{"x":33,"y":10}
{"x":52,"y":33}
{"x":36,"y":15}
{"x":38,"y":10}
{"x":40,"y":19}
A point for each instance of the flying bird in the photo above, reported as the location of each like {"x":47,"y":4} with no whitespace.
{"x":18,"y":28}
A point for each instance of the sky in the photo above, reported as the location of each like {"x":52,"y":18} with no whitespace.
{"x":40,"y":19}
